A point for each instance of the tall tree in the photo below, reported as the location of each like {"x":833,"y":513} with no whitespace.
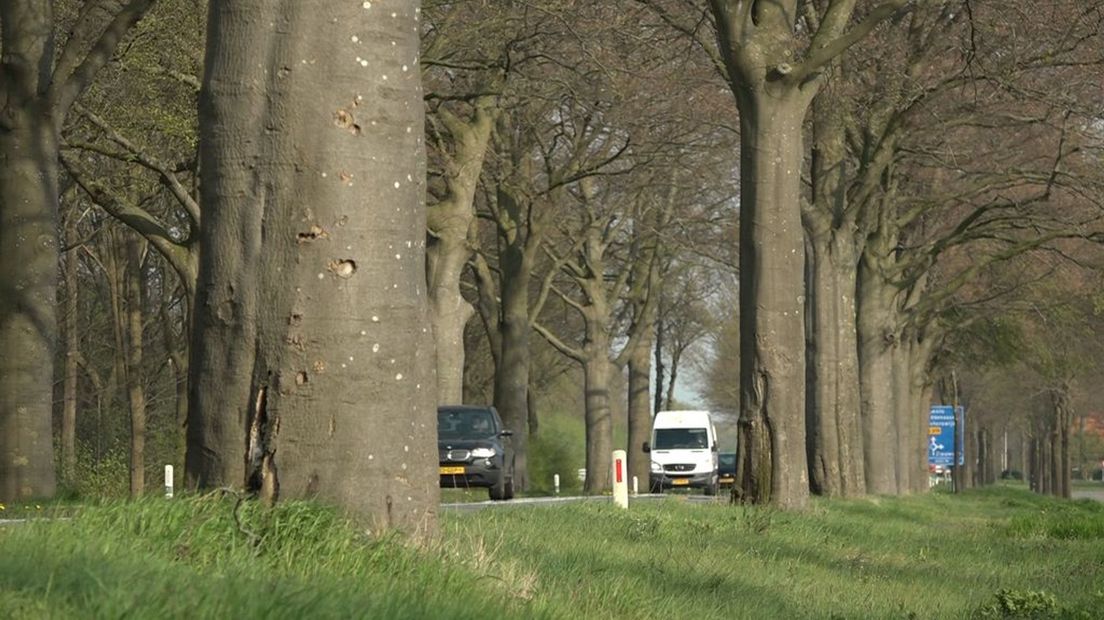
{"x":775,"y":52}
{"x":38,"y":86}
{"x":313,"y":262}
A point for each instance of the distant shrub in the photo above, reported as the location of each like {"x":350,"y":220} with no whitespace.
{"x":1008,"y":603}
{"x":556,"y":450}
{"x":106,"y":475}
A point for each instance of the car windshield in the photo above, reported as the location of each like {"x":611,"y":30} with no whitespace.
{"x":465,"y":424}
{"x":727,"y":460}
{"x":681,"y":438}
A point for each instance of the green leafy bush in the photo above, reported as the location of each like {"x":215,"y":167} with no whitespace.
{"x":1020,"y":604}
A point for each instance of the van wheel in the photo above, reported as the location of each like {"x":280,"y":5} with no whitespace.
{"x":714,"y":488}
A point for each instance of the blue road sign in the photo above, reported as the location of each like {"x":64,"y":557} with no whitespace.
{"x":941,"y":436}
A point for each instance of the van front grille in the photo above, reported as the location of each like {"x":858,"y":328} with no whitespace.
{"x":679,"y":467}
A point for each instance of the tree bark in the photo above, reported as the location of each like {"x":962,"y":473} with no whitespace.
{"x":72,"y":354}
{"x":136,"y":394}
{"x":35,"y":96}
{"x":834,"y":424}
{"x":772,"y":464}
{"x":660,"y":369}
{"x":313,"y":263}
{"x":599,"y":424}
{"x":447,"y":249}
{"x":904,"y":416}
{"x":511,"y":381}
{"x":28,"y":277}
{"x":640,"y":410}
{"x":878,"y":337}
{"x":178,"y":358}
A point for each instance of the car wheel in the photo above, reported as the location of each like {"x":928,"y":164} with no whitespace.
{"x":497,"y":491}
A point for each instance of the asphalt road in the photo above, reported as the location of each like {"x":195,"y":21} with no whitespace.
{"x":1097,"y":494}
{"x":553,"y":501}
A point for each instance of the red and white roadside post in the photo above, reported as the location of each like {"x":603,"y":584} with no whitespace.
{"x":620,"y":480}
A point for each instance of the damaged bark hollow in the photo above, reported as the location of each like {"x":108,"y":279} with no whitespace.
{"x":312,"y":369}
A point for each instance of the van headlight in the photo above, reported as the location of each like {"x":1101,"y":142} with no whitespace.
{"x":483,"y":453}
{"x":657,"y":468}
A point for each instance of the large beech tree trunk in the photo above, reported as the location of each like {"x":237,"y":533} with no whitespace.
{"x":28,"y":283}
{"x":833,"y":422}
{"x":38,"y":86}
{"x":511,"y":380}
{"x":834,"y":425}
{"x":312,"y":359}
{"x":599,"y":423}
{"x":922,"y":390}
{"x":903,"y":418}
{"x":772,"y":344}
{"x":448,"y":250}
{"x":878,"y":338}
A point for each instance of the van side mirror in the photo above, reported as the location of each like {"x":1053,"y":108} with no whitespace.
{"x":714,"y":447}
{"x":646,"y":447}
{"x":506,"y":432}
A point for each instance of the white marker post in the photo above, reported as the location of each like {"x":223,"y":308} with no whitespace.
{"x":556,"y":482}
{"x":620,"y":483}
{"x":168,"y":481}
{"x":636,"y":486}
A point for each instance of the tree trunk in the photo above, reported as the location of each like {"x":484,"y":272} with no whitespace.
{"x":72,"y":354}
{"x":904,"y":423}
{"x":833,"y":423}
{"x":1031,"y":471}
{"x":511,"y":381}
{"x":878,"y":337}
{"x":446,"y":256}
{"x":835,"y":441}
{"x":672,"y":378}
{"x":772,"y":465}
{"x":640,"y":410}
{"x":599,"y":423}
{"x":313,"y":263}
{"x":921,"y":403}
{"x":447,"y":248}
{"x":660,"y":369}
{"x":178,"y":356}
{"x":136,"y":394}
{"x":28,"y":295}
{"x":1062,"y":422}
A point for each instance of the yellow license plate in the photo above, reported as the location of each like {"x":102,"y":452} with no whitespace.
{"x":449,"y":471}
{"x":680,"y":481}
{"x":728,"y":479}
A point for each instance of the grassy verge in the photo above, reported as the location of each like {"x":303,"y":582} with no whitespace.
{"x":988,"y":553}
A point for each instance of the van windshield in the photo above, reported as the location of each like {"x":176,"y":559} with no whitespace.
{"x":681,"y":438}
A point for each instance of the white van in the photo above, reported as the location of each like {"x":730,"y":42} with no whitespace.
{"x":684,"y":451}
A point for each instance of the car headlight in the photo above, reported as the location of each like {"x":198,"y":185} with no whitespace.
{"x":483,"y":453}
{"x":657,"y":468}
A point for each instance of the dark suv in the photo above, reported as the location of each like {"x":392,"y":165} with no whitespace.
{"x":474,"y":450}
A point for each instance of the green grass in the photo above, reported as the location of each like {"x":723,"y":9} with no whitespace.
{"x":991,"y":553}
